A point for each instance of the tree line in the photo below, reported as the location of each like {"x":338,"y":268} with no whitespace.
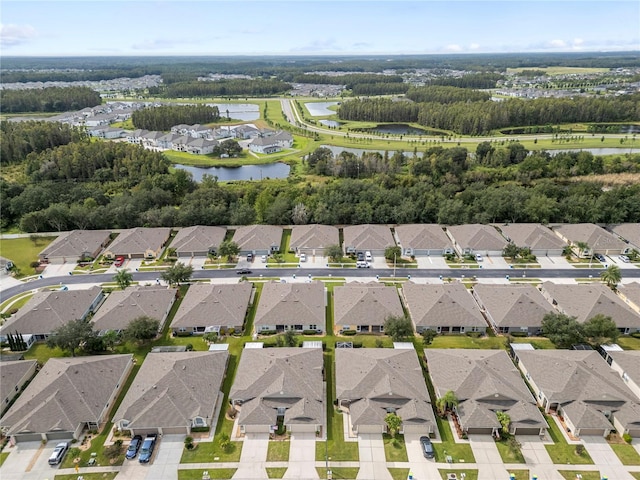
{"x":481,"y":80}
{"x":164,"y":117}
{"x":445,"y":94}
{"x":52,"y":99}
{"x":22,"y":76}
{"x":349,"y":80}
{"x":223,"y":88}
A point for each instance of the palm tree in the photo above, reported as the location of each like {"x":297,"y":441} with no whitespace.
{"x":582,"y":247}
{"x":612,"y":276}
{"x":447,"y":402}
{"x":123,"y":278}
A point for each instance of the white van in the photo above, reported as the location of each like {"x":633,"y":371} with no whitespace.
{"x":368,"y":257}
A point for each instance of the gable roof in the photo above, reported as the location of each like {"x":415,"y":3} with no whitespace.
{"x":12,"y":372}
{"x":596,"y":237}
{"x":257,"y":237}
{"x":374,"y":379}
{"x":368,"y":237}
{"x":76,"y":243}
{"x":198,"y":238}
{"x":423,"y":237}
{"x":433,"y":305}
{"x":139,"y":240}
{"x":365,"y":304}
{"x":173,"y":388}
{"x":268,"y":378}
{"x":582,"y":383}
{"x":532,"y":235}
{"x":313,"y":236}
{"x":588,"y":300}
{"x":66,"y":393}
{"x":477,"y":237}
{"x":209,"y":305}
{"x":513,"y":305}
{"x":46,"y":311}
{"x":484,"y":382}
{"x":291,"y":303}
{"x":629,"y":232}
{"x":123,"y":306}
{"x":629,"y":361}
{"x":630,"y":292}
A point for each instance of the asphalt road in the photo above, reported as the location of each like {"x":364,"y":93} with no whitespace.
{"x":547,"y":273}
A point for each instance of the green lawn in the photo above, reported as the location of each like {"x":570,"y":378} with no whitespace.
{"x":635,"y":475}
{"x":520,"y":474}
{"x":629,"y":343}
{"x":16,"y":301}
{"x":339,"y":472}
{"x":563,"y":452}
{"x":92,"y":476}
{"x":586,"y":475}
{"x":399,"y":473}
{"x":470,"y":474}
{"x":627,"y":454}
{"x":40,"y":352}
{"x":3,"y":457}
{"x":276,"y":472}
{"x":509,"y":452}
{"x":448,"y":446}
{"x":464,"y":341}
{"x":278,"y":451}
{"x":23,"y":251}
{"x":395,"y":450}
{"x":196,"y":474}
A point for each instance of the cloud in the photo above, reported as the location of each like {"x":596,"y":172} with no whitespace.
{"x":557,"y":43}
{"x":12,"y":35}
{"x":164,"y":43}
{"x":453,"y":48}
{"x":474,"y":46}
{"x":319,"y":46}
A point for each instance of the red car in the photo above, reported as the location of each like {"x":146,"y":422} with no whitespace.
{"x":119,"y":261}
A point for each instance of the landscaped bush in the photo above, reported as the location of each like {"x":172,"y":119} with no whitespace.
{"x":349,"y":333}
{"x":357,"y":344}
{"x":519,"y":334}
{"x":310,"y":332}
{"x":627,"y":438}
{"x":182,"y":334}
{"x":635,"y":334}
{"x":199,"y":429}
{"x":474,"y":334}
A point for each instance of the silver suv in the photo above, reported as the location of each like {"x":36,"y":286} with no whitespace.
{"x":58,"y":453}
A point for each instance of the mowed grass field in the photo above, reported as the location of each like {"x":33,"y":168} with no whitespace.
{"x":23,"y":251}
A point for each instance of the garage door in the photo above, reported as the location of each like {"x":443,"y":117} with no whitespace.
{"x":370,"y":429}
{"x":59,"y":435}
{"x":480,"y":431}
{"x":174,"y":431}
{"x":302,"y":428}
{"x":527,"y":431}
{"x":593,"y":431}
{"x":145,"y":431}
{"x":417,"y":429}
{"x":28,"y":437}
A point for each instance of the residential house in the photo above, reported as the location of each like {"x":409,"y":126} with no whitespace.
{"x":313,"y":239}
{"x":166,"y":141}
{"x":108,"y":133}
{"x":291,"y":306}
{"x":245,"y":132}
{"x":139,"y":243}
{"x":121,"y":307}
{"x":580,"y":387}
{"x":14,"y":375}
{"x":627,"y":365}
{"x":48,"y":310}
{"x":279,"y":385}
{"x":75,"y":246}
{"x":447,"y":308}
{"x":630,"y":294}
{"x":597,"y":238}
{"x":173,"y":393}
{"x":212,"y":308}
{"x":201,"y":146}
{"x":484,"y":382}
{"x":198,"y":241}
{"x":588,"y":300}
{"x":423,"y":240}
{"x":517,"y":309}
{"x":539,"y":239}
{"x":364,"y":307}
{"x":628,"y":232}
{"x":372,"y":238}
{"x":150,"y":139}
{"x":476,"y":239}
{"x":373,"y":382}
{"x":67,"y":396}
{"x":258,"y":239}
{"x":271,"y":143}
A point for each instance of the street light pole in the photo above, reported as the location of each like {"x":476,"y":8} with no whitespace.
{"x":394,"y":265}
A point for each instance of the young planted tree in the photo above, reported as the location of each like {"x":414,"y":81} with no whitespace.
{"x":123,"y":278}
{"x":334,"y":252}
{"x":398,"y":328}
{"x":505,"y":421}
{"x":511,"y":251}
{"x":428,"y":335}
{"x":177,"y":274}
{"x":612,"y":276}
{"x":394,"y":422}
{"x":448,"y":401}
{"x":392,"y":253}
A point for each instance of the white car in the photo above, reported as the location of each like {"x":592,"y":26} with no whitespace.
{"x":303,"y":257}
{"x":368,"y":257}
{"x":624,"y":258}
{"x":263,"y":259}
{"x":478,"y":257}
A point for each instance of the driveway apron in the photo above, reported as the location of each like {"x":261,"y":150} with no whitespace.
{"x":302,"y":457}
{"x":253,"y":456}
{"x":488,"y":459}
{"x":373,"y":464}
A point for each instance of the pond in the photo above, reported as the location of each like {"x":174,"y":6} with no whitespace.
{"x":359,"y":151}
{"x":245,"y":172}
{"x":320,"y":109}
{"x":330,"y":123}
{"x":239,"y":111}
{"x":400,"y":129}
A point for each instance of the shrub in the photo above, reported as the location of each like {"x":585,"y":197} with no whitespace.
{"x":627,"y":438}
{"x":182,"y":334}
{"x":349,"y":333}
{"x":310,"y":332}
{"x":188,"y":443}
{"x":474,"y":334}
{"x":113,"y":451}
{"x":379,"y":343}
{"x":357,"y":344}
{"x":635,"y":334}
{"x":579,"y":449}
{"x":199,"y":429}
{"x":519,"y":334}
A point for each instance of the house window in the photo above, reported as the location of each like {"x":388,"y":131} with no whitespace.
{"x":313,"y":327}
{"x":382,"y":328}
{"x":182,"y":329}
{"x":357,"y":328}
{"x":297,"y":327}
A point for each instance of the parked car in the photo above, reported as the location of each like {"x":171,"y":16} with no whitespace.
{"x":600,"y":257}
{"x":360,"y":256}
{"x":362,"y":264}
{"x":303,"y":257}
{"x":146,"y":450}
{"x":119,"y":261}
{"x":624,"y":258}
{"x":263,"y":259}
{"x":427,"y":447}
{"x":58,"y":453}
{"x":134,"y":446}
{"x":249,"y":257}
{"x":368,"y":257}
{"x":478,"y":257}
{"x":244,"y":271}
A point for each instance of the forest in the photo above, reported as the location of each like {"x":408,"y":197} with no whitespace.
{"x":166,"y":116}
{"x":98,"y":185}
{"x":222,"y":88}
{"x":52,"y":99}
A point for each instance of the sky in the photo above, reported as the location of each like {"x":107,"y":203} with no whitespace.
{"x":306,"y":27}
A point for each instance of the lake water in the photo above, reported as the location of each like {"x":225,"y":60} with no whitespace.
{"x":240,"y":111}
{"x":245,"y":172}
{"x":320,"y":109}
{"x":400,"y":129}
{"x":359,"y":151}
{"x":330,"y":123}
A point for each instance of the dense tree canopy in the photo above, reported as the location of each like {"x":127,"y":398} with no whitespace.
{"x":166,"y":116}
{"x":52,"y":99}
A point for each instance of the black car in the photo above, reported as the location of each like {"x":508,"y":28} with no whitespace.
{"x":360,"y":257}
{"x":427,"y":447}
{"x":134,"y":446}
{"x":244,"y":271}
{"x":600,"y":257}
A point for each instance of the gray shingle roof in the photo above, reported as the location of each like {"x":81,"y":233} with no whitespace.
{"x":368,"y":237}
{"x":484,"y":381}
{"x":76,"y":243}
{"x":279,"y":377}
{"x":373,"y":379}
{"x":365,"y":304}
{"x":257,"y":237}
{"x":588,"y":300}
{"x":291,"y":303}
{"x":423,"y":237}
{"x":210,"y":305}
{"x":629,"y":361}
{"x":477,"y":237}
{"x":139,"y":240}
{"x":123,"y":306}
{"x":313,"y":236}
{"x":582,"y":383}
{"x":199,"y":238}
{"x":450,"y":305}
{"x":629,"y":231}
{"x":47,"y":311}
{"x":596,"y":237}
{"x":630,"y":292}
{"x":513,"y":305}
{"x":12,"y":372}
{"x":532,"y":235}
{"x":172,"y":388}
{"x":66,"y":393}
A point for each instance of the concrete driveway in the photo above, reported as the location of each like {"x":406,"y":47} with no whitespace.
{"x":537,"y":458}
{"x":488,"y":459}
{"x":431,"y":262}
{"x":29,"y":461}
{"x":302,"y":456}
{"x":164,"y":462}
{"x":253,"y":456}
{"x":420,"y":467}
{"x":606,"y":459}
{"x":373,"y":463}
{"x":59,"y":269}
